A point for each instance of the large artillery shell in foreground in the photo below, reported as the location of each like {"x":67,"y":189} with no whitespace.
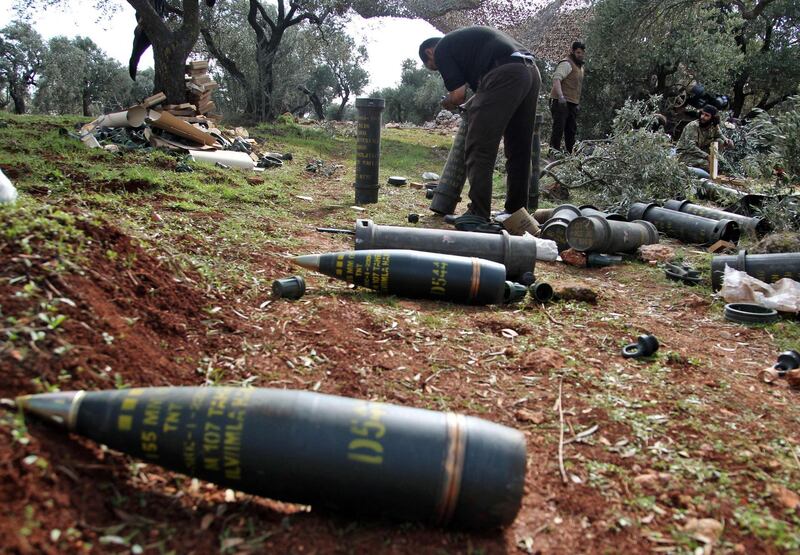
{"x":409,"y":273}
{"x":310,"y":448}
{"x":517,"y":254}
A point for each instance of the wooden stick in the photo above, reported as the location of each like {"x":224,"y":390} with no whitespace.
{"x":561,"y":435}
{"x":550,"y":317}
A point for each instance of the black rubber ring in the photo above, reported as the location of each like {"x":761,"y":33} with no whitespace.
{"x":631,"y":350}
{"x":746,"y":313}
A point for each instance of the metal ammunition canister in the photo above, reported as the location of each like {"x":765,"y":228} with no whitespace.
{"x":597,"y":234}
{"x":415,"y":274}
{"x":769,"y":268}
{"x":747,"y":224}
{"x":684,"y":226}
{"x":517,"y":254}
{"x":536,"y":155}
{"x":448,"y":193}
{"x":368,"y":149}
{"x":303,"y":447}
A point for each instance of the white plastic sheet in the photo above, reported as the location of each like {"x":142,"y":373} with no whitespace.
{"x":545,"y":249}
{"x":739,"y":287}
{"x":8,"y":193}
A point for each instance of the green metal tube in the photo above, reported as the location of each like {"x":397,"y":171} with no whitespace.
{"x":454,"y":175}
{"x":536,"y":155}
{"x":747,"y":224}
{"x":684,"y":226}
{"x":303,"y":447}
{"x":368,"y":149}
{"x":597,"y":234}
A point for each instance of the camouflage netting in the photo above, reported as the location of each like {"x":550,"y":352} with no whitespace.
{"x":546,"y":27}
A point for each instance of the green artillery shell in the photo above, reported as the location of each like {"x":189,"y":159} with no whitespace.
{"x":517,"y":254}
{"x":310,"y":448}
{"x":415,"y":274}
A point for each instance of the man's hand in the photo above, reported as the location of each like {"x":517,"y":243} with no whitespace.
{"x":455,"y":98}
{"x":447,"y":104}
{"x":562,"y":101}
{"x":728,"y":143}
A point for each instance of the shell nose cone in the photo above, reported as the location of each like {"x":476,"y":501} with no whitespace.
{"x":56,"y":408}
{"x":309,"y":261}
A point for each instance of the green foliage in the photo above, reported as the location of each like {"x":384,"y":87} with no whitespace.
{"x":637,"y":48}
{"x":633,"y":164}
{"x":77,"y":78}
{"x":418,"y":96}
{"x":21,"y":51}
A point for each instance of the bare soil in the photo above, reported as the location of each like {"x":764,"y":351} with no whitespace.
{"x":708,"y":436}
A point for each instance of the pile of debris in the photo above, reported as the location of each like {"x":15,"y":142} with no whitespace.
{"x":199,"y":87}
{"x":445,"y":119}
{"x":190,"y":127}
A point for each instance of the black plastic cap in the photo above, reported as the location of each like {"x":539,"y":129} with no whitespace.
{"x":645,"y":346}
{"x":542,"y":292}
{"x":289,"y":288}
{"x":514,"y":292}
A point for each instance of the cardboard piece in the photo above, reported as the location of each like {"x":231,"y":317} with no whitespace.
{"x":168,"y":122}
{"x":521,"y":222}
{"x":151,"y":101}
{"x":132,"y":117}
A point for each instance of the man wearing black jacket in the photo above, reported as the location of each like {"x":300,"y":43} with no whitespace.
{"x":505,"y":79}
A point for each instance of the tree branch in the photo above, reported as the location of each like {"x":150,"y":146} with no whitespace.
{"x":228,"y":64}
{"x":190,"y":26}
{"x":252,"y":19}
{"x":264,"y":14}
{"x":757,"y":10}
{"x":149,"y":19}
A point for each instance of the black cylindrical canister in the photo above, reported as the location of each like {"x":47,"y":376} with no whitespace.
{"x":415,"y":274}
{"x":555,"y":229}
{"x":303,"y":447}
{"x":368,"y":149}
{"x":543,"y":214}
{"x":517,"y":254}
{"x":536,"y":155}
{"x":747,"y":224}
{"x":768,"y":268}
{"x":597,"y":234}
{"x":292,"y":287}
{"x":683,"y":226}
{"x":448,"y":193}
{"x":589,"y":210}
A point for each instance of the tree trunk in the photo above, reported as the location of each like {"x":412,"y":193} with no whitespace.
{"x":265,"y":57}
{"x":169,"y":72}
{"x":19,"y":100}
{"x":86,"y":101}
{"x":170,"y":48}
{"x":342,"y":106}
{"x":737,"y":104}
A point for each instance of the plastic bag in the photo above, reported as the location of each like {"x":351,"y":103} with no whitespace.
{"x":8,"y":193}
{"x":545,"y":249}
{"x":739,"y":287}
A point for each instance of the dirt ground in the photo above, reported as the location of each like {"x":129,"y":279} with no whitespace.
{"x":683,"y":452}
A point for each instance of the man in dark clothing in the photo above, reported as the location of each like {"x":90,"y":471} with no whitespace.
{"x":505,"y":79}
{"x":565,"y":97}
